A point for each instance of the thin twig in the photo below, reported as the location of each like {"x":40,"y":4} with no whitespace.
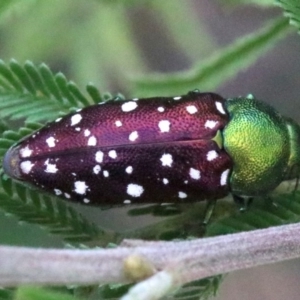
{"x":182,"y":262}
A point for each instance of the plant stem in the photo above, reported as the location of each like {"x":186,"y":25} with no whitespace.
{"x":183,"y":261}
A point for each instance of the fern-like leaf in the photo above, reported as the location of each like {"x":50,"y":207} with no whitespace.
{"x":33,"y":207}
{"x":34,"y":93}
{"x":9,"y":137}
{"x":6,"y":294}
{"x":261,"y":215}
{"x":291,"y":9}
{"x":198,"y":290}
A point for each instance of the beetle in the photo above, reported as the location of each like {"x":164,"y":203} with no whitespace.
{"x":165,"y":149}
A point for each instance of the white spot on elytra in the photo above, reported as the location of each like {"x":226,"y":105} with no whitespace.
{"x":126,"y":201}
{"x":26,"y":166}
{"x":50,"y":141}
{"x":220,"y":107}
{"x":105,"y":173}
{"x":118,"y":123}
{"x":112,"y":154}
{"x":191,"y":109}
{"x":50,"y":168}
{"x":92,"y":141}
{"x":80,"y":187}
{"x":99,"y":156}
{"x":133,"y":136}
{"x":58,"y":119}
{"x":75,"y":119}
{"x":77,"y":128}
{"x":165,"y":180}
{"x":129,"y":169}
{"x":87,"y":132}
{"x":224,"y":177}
{"x":177,"y":98}
{"x":167,"y":159}
{"x":67,"y":195}
{"x":160,"y":109}
{"x":26,"y":152}
{"x":211,"y":155}
{"x":195,"y":174}
{"x":129,"y":106}
{"x":134,"y":190}
{"x":182,"y":195}
{"x":86,"y":200}
{"x":210,"y":124}
{"x":57,"y":192}
{"x":97,"y":169}
{"x":164,"y":125}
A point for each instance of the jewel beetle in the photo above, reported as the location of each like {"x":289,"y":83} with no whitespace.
{"x":165,"y":149}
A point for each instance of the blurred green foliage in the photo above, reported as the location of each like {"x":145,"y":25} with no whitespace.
{"x":99,"y":41}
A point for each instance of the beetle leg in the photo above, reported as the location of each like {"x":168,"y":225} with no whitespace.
{"x":242,"y":202}
{"x":209,"y":210}
{"x":296,"y":185}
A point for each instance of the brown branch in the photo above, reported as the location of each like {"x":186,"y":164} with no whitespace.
{"x":172,"y":263}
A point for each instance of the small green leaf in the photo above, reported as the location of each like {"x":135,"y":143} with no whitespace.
{"x":63,"y":85}
{"x":22,"y":75}
{"x":261,"y":214}
{"x":202,"y":289}
{"x":76,"y":92}
{"x":8,"y":75}
{"x":25,"y":131}
{"x":6,"y":294}
{"x":36,"y":78}
{"x":94,"y":93}
{"x":37,"y":293}
{"x":34,"y":207}
{"x":49,"y":80}
{"x":6,"y":185}
{"x":11,"y":135}
{"x":291,"y":10}
{"x":35,"y":94}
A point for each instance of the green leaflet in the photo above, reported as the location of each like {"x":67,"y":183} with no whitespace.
{"x":55,"y":216}
{"x":262,"y":3}
{"x":37,"y":293}
{"x":34,"y":93}
{"x":291,"y":9}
